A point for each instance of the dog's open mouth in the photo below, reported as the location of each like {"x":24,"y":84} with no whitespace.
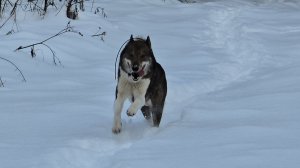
{"x":137,"y":74}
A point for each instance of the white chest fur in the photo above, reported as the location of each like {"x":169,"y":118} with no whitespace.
{"x":129,"y":89}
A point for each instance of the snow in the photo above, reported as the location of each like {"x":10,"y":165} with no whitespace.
{"x":233,"y":74}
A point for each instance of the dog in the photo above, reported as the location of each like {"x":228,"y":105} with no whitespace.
{"x":142,"y":80}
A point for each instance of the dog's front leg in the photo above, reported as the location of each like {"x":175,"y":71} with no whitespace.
{"x":139,"y":93}
{"x":137,"y":104}
{"x":118,"y":105}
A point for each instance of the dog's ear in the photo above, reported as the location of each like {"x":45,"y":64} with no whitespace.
{"x":148,"y":41}
{"x":131,"y":38}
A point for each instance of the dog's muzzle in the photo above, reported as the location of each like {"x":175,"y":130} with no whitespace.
{"x":136,"y":74}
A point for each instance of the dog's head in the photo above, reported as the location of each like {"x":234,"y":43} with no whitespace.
{"x":136,"y":58}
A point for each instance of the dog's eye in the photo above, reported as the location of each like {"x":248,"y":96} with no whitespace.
{"x":143,"y":56}
{"x":130,"y":55}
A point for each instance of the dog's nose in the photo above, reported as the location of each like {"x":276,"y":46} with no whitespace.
{"x":135,"y":67}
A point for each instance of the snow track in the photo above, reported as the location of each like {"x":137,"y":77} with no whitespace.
{"x":232,"y":69}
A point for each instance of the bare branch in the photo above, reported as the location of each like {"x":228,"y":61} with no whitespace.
{"x":1,"y":82}
{"x":98,"y":34}
{"x":100,"y":10}
{"x":15,"y":67}
{"x":12,"y":14}
{"x":53,"y":55}
{"x":65,"y":30}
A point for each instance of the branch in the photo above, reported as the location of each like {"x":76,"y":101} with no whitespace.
{"x":60,"y":8}
{"x":12,"y":13}
{"x":53,"y":55}
{"x":1,"y":82}
{"x":101,"y":35}
{"x":100,"y":9}
{"x":15,"y":67}
{"x":65,"y":30}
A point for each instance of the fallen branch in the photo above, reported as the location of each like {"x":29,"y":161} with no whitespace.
{"x":15,"y":67}
{"x":98,"y":34}
{"x":65,"y":30}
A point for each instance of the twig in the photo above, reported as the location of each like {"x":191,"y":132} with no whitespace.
{"x":92,"y":5}
{"x":53,"y":55}
{"x":12,"y":13}
{"x":61,"y":8}
{"x":65,"y":30}
{"x":15,"y":67}
{"x":98,"y":9}
{"x":1,"y":82}
{"x":101,"y":35}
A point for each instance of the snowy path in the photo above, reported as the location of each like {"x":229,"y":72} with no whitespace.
{"x":233,"y":74}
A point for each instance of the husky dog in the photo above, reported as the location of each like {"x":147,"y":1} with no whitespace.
{"x":141,"y":80}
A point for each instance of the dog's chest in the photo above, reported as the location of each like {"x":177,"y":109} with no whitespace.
{"x":130,"y":89}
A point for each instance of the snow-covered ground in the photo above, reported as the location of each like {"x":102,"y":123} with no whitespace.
{"x":233,"y":71}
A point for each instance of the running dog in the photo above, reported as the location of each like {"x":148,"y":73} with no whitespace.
{"x":141,"y":80}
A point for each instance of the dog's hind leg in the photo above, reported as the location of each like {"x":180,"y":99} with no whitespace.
{"x":156,"y":114}
{"x":158,"y":102}
{"x":146,"y":112}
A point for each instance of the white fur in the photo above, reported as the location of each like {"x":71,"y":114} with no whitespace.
{"x":128,"y":64}
{"x":127,"y":89}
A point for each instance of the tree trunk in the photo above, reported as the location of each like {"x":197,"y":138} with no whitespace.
{"x":72,"y":14}
{"x":0,"y":8}
{"x":45,"y":6}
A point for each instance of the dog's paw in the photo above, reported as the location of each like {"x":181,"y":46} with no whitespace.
{"x":130,"y":113}
{"x":117,"y":128}
{"x":132,"y":110}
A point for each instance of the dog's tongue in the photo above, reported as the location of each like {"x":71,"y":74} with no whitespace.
{"x":141,"y":72}
{"x":137,"y":74}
